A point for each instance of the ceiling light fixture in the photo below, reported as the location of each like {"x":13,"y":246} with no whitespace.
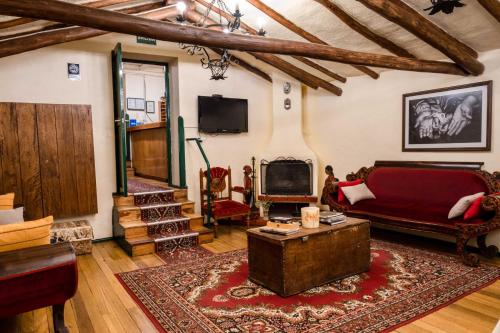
{"x":445,"y":6}
{"x":218,"y":66}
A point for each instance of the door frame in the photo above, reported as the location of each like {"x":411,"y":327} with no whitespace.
{"x":167,"y":108}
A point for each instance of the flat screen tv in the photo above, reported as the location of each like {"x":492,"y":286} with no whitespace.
{"x":217,"y":114}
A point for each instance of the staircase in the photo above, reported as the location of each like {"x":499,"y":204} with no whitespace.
{"x":155,"y":218}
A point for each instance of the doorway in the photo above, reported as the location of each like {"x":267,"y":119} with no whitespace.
{"x":142,"y":118}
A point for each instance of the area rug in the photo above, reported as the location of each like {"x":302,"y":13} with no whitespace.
{"x":212,"y":294}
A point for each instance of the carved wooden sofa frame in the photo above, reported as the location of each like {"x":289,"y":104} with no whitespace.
{"x":462,"y":231}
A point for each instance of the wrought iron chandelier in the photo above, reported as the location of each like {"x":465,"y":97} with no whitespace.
{"x":218,"y":66}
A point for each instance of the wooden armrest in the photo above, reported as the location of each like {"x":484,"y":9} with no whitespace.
{"x":38,"y":258}
{"x":491,"y":203}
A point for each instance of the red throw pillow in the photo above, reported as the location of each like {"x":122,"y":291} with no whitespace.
{"x":341,"y":196}
{"x":474,"y":209}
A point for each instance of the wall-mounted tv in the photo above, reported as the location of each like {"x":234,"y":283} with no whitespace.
{"x":217,"y":114}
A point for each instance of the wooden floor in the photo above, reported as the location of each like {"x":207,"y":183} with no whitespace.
{"x":101,"y":304}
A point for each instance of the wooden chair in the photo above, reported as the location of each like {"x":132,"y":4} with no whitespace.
{"x":222,"y":207}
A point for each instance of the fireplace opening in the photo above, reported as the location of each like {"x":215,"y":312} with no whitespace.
{"x":286,"y":177}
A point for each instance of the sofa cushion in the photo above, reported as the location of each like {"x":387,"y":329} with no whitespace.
{"x":6,"y":201}
{"x":463,"y":204}
{"x":9,"y":216}
{"x":405,"y":209}
{"x":341,"y":196}
{"x":227,"y":208}
{"x":426,"y":187}
{"x":358,"y":193}
{"x":25,"y":234}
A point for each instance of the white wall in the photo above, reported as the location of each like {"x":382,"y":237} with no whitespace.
{"x":40,"y":77}
{"x":365,"y":123}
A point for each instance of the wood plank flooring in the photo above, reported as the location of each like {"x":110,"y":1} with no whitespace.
{"x":101,"y":304}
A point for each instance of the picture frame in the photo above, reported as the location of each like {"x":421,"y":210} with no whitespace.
{"x":456,"y":118}
{"x":150,"y":107}
{"x":135,"y":104}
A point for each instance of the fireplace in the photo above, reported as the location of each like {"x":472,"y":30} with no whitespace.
{"x":286,"y":176}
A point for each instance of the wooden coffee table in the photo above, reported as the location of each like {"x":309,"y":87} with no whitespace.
{"x":310,"y":258}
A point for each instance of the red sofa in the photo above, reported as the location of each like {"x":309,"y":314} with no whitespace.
{"x":419,"y":197}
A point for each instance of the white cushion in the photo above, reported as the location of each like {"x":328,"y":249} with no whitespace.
{"x":463,"y":204}
{"x":11,"y":215}
{"x":357,"y":193}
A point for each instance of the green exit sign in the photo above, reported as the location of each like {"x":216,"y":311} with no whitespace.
{"x":146,"y":40}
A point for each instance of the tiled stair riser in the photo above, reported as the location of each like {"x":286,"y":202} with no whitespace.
{"x":173,"y":244}
{"x":169,"y":228}
{"x":161,"y":212}
{"x":154,"y":198}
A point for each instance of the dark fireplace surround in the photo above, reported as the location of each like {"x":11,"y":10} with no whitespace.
{"x":286,"y":178}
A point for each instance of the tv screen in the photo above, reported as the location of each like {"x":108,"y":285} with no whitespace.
{"x":222,"y":115}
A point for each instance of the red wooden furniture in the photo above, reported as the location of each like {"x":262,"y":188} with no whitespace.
{"x":37,"y":277}
{"x":418,"y":196}
{"x":222,"y":206}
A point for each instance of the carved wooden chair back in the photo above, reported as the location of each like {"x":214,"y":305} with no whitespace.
{"x":220,"y":183}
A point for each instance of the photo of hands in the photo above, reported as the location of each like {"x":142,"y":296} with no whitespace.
{"x":455,"y":118}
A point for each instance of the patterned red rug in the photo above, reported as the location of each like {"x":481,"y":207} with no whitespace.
{"x":212,"y":294}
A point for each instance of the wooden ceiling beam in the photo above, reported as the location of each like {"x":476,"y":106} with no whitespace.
{"x":492,"y":6}
{"x":121,"y":23}
{"x":298,"y":30}
{"x":25,"y":20}
{"x":129,"y":10}
{"x":254,"y":32}
{"x":405,"y":16}
{"x":53,"y":37}
{"x":277,"y":62}
{"x":365,"y":31}
{"x":320,"y":68}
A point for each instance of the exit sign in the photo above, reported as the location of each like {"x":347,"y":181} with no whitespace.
{"x":146,"y":40}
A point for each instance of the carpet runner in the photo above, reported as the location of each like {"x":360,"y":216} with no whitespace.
{"x":163,"y":216}
{"x":211,"y":293}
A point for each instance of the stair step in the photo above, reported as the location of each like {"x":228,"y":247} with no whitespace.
{"x":195,"y":220}
{"x":205,"y":235}
{"x":187,"y":207}
{"x":171,"y":204}
{"x":171,"y":228}
{"x":162,"y":238}
{"x":169,"y":244}
{"x":175,"y":220}
{"x":137,"y":246}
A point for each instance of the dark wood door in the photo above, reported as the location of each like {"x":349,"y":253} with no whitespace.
{"x":47,"y":158}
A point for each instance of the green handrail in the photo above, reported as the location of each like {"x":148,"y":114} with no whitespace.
{"x":182,"y":153}
{"x":209,"y":178}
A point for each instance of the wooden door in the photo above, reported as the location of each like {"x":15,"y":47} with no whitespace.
{"x":47,"y":159}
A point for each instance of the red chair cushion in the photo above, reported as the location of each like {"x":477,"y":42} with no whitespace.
{"x":227,"y":208}
{"x":341,"y":196}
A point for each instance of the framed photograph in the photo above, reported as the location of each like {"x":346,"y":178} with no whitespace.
{"x":135,"y":104}
{"x":150,"y":107}
{"x":448,"y":119}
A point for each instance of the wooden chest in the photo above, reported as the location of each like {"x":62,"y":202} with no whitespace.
{"x":310,"y":258}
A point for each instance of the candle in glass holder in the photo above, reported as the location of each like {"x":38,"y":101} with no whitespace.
{"x":310,"y":217}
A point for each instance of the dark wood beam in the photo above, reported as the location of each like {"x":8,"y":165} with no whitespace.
{"x":365,"y":31}
{"x":26,"y":20}
{"x":320,"y":68}
{"x":492,"y":6}
{"x":254,"y":32}
{"x":405,"y":16}
{"x":129,"y":10}
{"x":48,"y":38}
{"x":277,"y":62}
{"x":121,"y":23}
{"x":298,"y":30}
{"x":296,"y":72}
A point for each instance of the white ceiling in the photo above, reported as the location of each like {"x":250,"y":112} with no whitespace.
{"x":470,"y":24}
